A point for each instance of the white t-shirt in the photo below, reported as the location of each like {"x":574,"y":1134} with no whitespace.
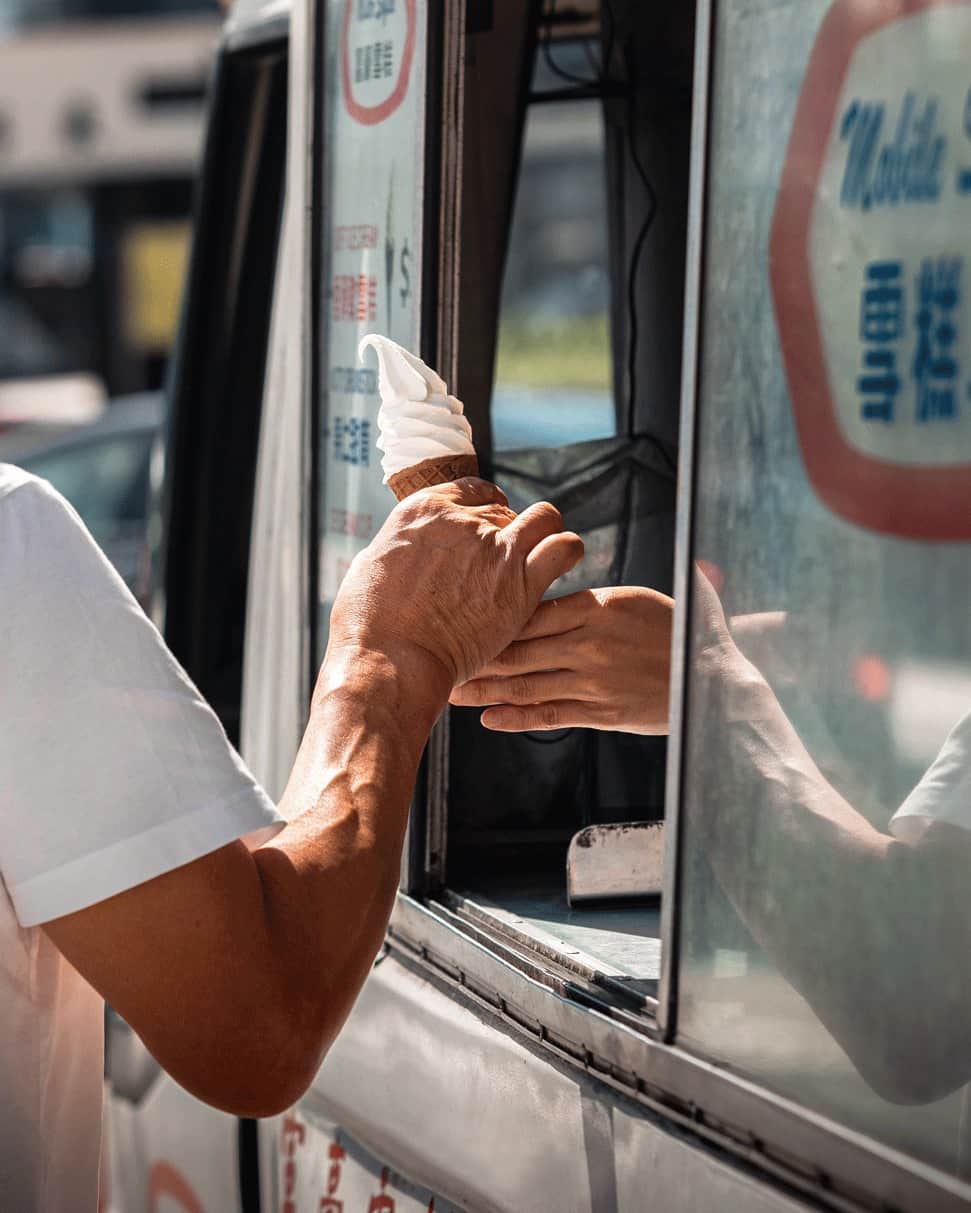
{"x":944,"y":793}
{"x":112,"y":771}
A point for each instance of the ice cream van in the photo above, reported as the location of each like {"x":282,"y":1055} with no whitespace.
{"x":668,"y":257}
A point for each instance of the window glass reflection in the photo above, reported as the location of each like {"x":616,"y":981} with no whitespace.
{"x":826,"y":929}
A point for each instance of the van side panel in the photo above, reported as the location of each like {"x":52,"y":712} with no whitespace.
{"x":450,"y":1096}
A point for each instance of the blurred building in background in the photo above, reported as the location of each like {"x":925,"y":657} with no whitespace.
{"x":102,"y":106}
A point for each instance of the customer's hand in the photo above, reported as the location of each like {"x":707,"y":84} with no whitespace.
{"x":450,"y":579}
{"x":598,"y":659}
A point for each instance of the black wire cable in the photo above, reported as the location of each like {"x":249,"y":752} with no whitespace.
{"x":610,"y":40}
{"x":603,"y":82}
{"x":633,"y":328}
{"x":633,"y":334}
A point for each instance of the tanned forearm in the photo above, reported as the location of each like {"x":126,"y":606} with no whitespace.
{"x":238,"y":969}
{"x":330,"y":878}
{"x":865,"y":927}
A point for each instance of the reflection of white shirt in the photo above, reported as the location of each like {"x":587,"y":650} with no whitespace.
{"x":944,"y":794}
{"x":112,"y":771}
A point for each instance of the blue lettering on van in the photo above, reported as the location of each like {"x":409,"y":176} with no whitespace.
{"x":935,"y":368}
{"x":354,"y":380}
{"x":890,"y":169}
{"x":882,"y":323}
{"x":964,"y":173}
{"x":921,"y":346}
{"x":351,"y":440}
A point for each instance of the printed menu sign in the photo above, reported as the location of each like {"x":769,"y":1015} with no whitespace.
{"x":373,"y":189}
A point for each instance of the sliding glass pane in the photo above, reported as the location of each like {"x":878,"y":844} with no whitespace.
{"x":826,"y":930}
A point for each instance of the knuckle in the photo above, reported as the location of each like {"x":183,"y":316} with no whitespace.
{"x":548,"y":513}
{"x":548,"y":716}
{"x":414,"y":507}
{"x":522,"y":689}
{"x":470,"y":493}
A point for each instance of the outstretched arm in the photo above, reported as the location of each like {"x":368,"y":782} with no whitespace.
{"x":873,"y":932}
{"x":238,"y":970}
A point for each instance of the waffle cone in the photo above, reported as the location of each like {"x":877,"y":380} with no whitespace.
{"x":432,"y":471}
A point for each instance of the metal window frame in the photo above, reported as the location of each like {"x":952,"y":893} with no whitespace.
{"x":684,"y":526}
{"x":444,"y":37}
{"x":441,"y":279}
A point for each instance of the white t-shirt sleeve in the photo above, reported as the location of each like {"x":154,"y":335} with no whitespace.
{"x":944,"y":793}
{"x":113,"y":769}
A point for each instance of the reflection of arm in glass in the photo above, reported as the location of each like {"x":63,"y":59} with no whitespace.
{"x":874,"y":932}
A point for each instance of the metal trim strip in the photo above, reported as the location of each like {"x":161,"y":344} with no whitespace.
{"x":846,"y":1170}
{"x":671,"y":896}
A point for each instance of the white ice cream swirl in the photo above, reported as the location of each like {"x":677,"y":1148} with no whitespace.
{"x":418,"y":419}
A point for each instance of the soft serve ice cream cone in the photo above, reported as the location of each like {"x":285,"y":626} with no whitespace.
{"x":425,"y":437}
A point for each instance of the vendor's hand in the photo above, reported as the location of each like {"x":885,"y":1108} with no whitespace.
{"x":598,"y":659}
{"x":450,"y":579}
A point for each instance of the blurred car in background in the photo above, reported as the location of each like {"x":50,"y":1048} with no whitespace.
{"x":38,"y":410}
{"x":107,"y":471}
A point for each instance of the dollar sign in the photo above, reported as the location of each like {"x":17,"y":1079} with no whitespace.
{"x":405,"y":274}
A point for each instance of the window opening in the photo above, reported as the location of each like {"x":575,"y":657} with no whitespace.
{"x":590,"y":311}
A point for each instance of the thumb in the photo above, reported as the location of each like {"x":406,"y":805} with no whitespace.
{"x":550,"y":559}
